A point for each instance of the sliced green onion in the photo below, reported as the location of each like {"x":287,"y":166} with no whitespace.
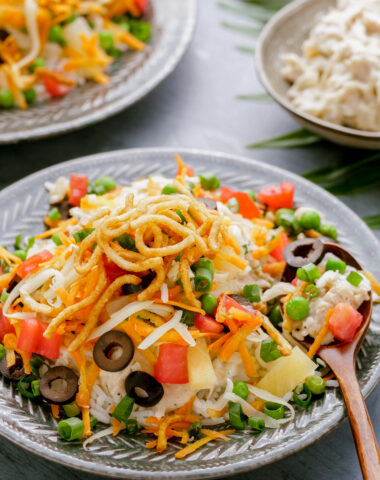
{"x":195,"y":429}
{"x":297,"y":308}
{"x":6,"y":98}
{"x":336,"y":264}
{"x":209,"y":181}
{"x":82,"y":234}
{"x":236,"y":415}
{"x":316,"y":384}
{"x":18,"y":242}
{"x":131,"y":426}
{"x":4,"y":295}
{"x":234,"y":205}
{"x":285,"y":218}
{"x":126,"y":241}
{"x":245,"y":248}
{"x":269,"y":351}
{"x":274,"y":410}
{"x":252,"y":293}
{"x":35,"y":365}
{"x":354,"y":278}
{"x":114,"y":52}
{"x":312,"y":291}
{"x":204,"y":274}
{"x":35,"y":387}
{"x":71,"y":409}
{"x":300,"y":391}
{"x":209,"y":303}
{"x":70,"y":19}
{"x":123,"y":409}
{"x":240,"y":389}
{"x":257,"y":424}
{"x":169,"y":190}
{"x":23,"y":385}
{"x":30,"y":95}
{"x":2,"y":351}
{"x":57,"y":239}
{"x":71,"y":429}
{"x":275,"y":315}
{"x":54,"y":214}
{"x":187,"y":318}
{"x":308,"y":273}
{"x":56,"y":35}
{"x":93,"y":421}
{"x":329,"y":231}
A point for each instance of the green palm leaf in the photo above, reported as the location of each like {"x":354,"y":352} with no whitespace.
{"x":256,"y":97}
{"x":373,"y":221}
{"x":298,"y":138}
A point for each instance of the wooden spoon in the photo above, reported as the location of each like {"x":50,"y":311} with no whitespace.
{"x":341,"y":359}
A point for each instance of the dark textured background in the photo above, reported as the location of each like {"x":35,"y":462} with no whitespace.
{"x":196,"y":107}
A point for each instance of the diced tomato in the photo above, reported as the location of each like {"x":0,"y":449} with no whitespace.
{"x":33,"y":262}
{"x":142,"y":4}
{"x":49,"y":347}
{"x":113,"y":271}
{"x":226,"y":193}
{"x":225,"y":303}
{"x":30,"y":335}
{"x":171,"y":366}
{"x":344,"y":322}
{"x":5,"y":325}
{"x":78,"y":188}
{"x":277,"y":252}
{"x":206,"y":324}
{"x":31,"y":339}
{"x":248,"y":208}
{"x":54,"y":88}
{"x":277,"y":196}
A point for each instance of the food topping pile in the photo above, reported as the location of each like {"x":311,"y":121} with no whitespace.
{"x":177,"y":308}
{"x":47,"y":47}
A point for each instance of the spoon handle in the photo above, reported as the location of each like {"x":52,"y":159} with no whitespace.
{"x":362,"y":430}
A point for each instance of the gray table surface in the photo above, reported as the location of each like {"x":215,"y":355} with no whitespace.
{"x":196,"y":107}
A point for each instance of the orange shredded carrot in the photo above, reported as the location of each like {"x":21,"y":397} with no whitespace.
{"x":313,"y":233}
{"x":186,"y":407}
{"x":218,"y":343}
{"x":216,"y":435}
{"x":328,"y":377}
{"x":83,"y":395}
{"x":247,"y":359}
{"x":231,"y":242}
{"x":197,"y":191}
{"x":258,"y":405}
{"x":26,"y":356}
{"x":232,"y":344}
{"x":237,"y":261}
{"x":193,"y":447}
{"x":264,"y":251}
{"x":321,"y":336}
{"x":87,"y":422}
{"x":152,"y":444}
{"x":136,"y":339}
{"x":162,"y":438}
{"x":55,"y":410}
{"x":231,"y":324}
{"x":216,"y":413}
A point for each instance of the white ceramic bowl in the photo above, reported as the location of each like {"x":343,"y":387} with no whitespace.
{"x":284,"y":33}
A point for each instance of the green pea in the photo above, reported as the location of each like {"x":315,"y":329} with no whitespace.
{"x":140,"y":30}
{"x":38,"y":62}
{"x":108,"y":183}
{"x":209,"y":303}
{"x":30,"y":95}
{"x":310,"y":220}
{"x":240,"y":389}
{"x":252,"y":194}
{"x":329,"y":231}
{"x":2,"y":351}
{"x":316,"y":384}
{"x":297,"y":308}
{"x":275,"y":315}
{"x":285,"y":218}
{"x":56,"y":35}
{"x":169,"y":190}
{"x":6,"y":98}
{"x":106,"y":40}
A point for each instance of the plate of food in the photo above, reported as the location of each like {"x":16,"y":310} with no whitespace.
{"x":149,"y":325}
{"x":65,"y":65}
{"x":318,"y":61}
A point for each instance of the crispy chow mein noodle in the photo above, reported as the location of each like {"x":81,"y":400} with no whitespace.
{"x":161,"y":305}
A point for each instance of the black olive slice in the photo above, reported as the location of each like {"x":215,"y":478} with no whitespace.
{"x":243,"y":302}
{"x":16,"y":371}
{"x":128,"y":288}
{"x":59,"y":394}
{"x":208,"y":202}
{"x":106,"y":348}
{"x":299,"y":253}
{"x":144,"y":389}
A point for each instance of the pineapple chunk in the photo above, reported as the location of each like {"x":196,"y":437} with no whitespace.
{"x":200,"y":368}
{"x":287,"y":372}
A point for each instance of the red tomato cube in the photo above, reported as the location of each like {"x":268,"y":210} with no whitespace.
{"x":30,"y":334}
{"x":206,"y":324}
{"x":171,"y":366}
{"x":78,"y":188}
{"x":344,"y":322}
